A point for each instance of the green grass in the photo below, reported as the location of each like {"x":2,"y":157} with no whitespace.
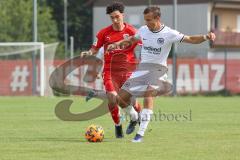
{"x":30,"y":130}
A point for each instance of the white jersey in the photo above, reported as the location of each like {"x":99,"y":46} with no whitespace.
{"x":157,"y":45}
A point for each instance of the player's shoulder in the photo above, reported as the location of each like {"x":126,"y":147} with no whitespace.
{"x":105,"y":29}
{"x":130,"y":28}
{"x":168,"y":29}
{"x":143,"y":28}
{"x":171,"y":33}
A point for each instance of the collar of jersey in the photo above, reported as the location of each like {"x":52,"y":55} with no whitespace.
{"x":125,"y":26}
{"x":162,"y":26}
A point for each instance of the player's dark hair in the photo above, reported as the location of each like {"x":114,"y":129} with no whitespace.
{"x":115,"y":6}
{"x":153,"y":9}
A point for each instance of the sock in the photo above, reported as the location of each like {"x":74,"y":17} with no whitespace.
{"x":145,"y":117}
{"x":131,"y":111}
{"x":114,"y":110}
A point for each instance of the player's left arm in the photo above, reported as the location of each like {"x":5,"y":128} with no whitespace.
{"x":196,"y":39}
{"x":125,"y":43}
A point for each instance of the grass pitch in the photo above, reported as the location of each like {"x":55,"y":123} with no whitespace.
{"x":183,"y":128}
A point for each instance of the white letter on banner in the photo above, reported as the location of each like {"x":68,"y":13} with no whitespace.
{"x":183,"y":78}
{"x":219,"y":68}
{"x":201,"y":78}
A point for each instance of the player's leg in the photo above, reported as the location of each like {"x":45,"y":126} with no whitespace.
{"x":124,"y":101}
{"x":95,"y":93}
{"x":161,"y":86}
{"x":137,"y":106}
{"x":132,"y":124}
{"x":133,"y":102}
{"x":115,"y":113}
{"x":133,"y":86}
{"x":145,"y":115}
{"x":113,"y":106}
{"x":90,"y":77}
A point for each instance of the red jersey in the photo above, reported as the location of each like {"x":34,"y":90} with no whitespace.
{"x":121,"y":62}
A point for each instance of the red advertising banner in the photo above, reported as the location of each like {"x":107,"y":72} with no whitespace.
{"x":201,"y":75}
{"x":193,"y":76}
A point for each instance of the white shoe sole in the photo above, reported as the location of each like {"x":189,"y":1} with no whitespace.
{"x":137,"y":141}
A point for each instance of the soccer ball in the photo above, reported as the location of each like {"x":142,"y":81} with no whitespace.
{"x":94,"y":133}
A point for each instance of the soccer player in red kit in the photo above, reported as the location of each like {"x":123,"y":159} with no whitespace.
{"x":118,"y":66}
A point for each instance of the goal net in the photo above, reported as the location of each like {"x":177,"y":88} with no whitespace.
{"x":23,"y":70}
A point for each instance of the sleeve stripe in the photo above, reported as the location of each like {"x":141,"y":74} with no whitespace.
{"x":182,"y":39}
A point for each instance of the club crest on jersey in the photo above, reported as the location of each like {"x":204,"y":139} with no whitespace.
{"x":125,"y":36}
{"x":107,"y":38}
{"x":160,"y":40}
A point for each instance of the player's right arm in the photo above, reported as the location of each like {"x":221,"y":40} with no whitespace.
{"x":97,"y":44}
{"x":91,"y":51}
{"x":125,"y":43}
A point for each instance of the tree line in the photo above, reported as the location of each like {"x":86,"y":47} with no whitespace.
{"x":16,"y":24}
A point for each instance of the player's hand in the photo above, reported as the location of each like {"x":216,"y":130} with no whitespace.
{"x":111,"y":48}
{"x":211,"y":36}
{"x":85,"y":53}
{"x":125,"y":45}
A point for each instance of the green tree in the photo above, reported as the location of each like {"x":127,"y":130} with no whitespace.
{"x":17,"y":19}
{"x":79,"y":21}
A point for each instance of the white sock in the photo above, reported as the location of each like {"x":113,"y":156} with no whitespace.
{"x":132,"y":112}
{"x":145,"y":117}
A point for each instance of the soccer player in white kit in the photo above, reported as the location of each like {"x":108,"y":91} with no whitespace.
{"x":148,"y":78}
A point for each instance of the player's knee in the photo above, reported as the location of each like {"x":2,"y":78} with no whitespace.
{"x":151,"y":92}
{"x":123,"y":102}
{"x":111,"y":103}
{"x":112,"y":99}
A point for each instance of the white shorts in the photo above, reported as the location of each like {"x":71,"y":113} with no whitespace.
{"x":145,"y":76}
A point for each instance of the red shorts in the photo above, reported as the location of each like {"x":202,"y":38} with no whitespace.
{"x":113,"y":82}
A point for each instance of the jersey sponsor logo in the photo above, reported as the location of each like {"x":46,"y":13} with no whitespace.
{"x":107,"y":38}
{"x":160,"y":40}
{"x":152,"y":50}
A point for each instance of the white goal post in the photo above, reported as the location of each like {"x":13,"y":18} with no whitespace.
{"x":16,"y":48}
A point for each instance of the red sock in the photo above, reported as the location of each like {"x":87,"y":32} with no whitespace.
{"x":114,"y":110}
{"x":137,"y":107}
